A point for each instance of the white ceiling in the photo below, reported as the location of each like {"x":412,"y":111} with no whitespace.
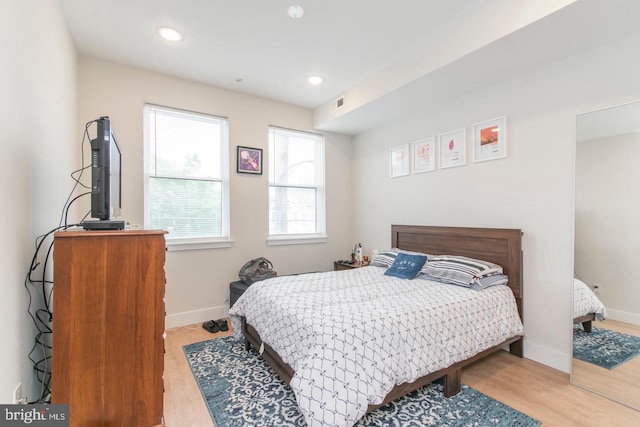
{"x":377,"y":54}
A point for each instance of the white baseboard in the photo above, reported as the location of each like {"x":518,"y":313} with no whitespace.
{"x":547,"y":356}
{"x":623,"y":316}
{"x":197,"y":316}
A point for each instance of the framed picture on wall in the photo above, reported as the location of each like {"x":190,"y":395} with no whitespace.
{"x":249,"y":160}
{"x":451,"y":146}
{"x":490,"y":139}
{"x":424,"y":155}
{"x":399,"y":160}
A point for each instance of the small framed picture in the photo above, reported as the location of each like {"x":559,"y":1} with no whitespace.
{"x":249,"y":160}
{"x":399,"y":158}
{"x":424,"y":155}
{"x":490,"y":139}
{"x":451,"y":146}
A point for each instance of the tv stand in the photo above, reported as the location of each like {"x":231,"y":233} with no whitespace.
{"x":103,"y":224}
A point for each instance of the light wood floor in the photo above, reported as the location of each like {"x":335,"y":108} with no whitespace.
{"x":537,"y":390}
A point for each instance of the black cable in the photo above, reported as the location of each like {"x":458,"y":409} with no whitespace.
{"x":66,"y":213}
{"x":77,"y":180}
{"x":43,"y":317}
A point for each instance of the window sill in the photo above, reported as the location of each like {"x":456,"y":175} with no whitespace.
{"x":296,"y":240}
{"x":196,"y":244}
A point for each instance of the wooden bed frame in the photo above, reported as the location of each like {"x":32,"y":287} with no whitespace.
{"x":586,"y":321}
{"x":497,"y":245}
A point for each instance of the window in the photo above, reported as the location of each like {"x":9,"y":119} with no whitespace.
{"x":296,"y":186}
{"x":187,"y":176}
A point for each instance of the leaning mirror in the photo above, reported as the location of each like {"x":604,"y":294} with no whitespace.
{"x":606,"y":353}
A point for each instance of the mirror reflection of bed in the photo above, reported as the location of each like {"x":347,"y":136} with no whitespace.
{"x":607,"y":242}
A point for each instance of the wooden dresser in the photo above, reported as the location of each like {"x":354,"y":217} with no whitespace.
{"x":108,"y":326}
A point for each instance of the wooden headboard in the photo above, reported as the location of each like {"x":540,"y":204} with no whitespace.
{"x":502,"y":246}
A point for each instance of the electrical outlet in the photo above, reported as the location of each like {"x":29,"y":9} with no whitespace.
{"x":597,"y":288}
{"x":17,"y":393}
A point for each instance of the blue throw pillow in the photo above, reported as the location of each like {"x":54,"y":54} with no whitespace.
{"x":406,"y":266}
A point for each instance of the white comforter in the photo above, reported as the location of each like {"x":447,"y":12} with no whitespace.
{"x":350,"y":336}
{"x":585,"y":301}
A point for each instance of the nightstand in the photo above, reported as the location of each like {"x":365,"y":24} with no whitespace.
{"x":236,"y":289}
{"x":338,"y":265}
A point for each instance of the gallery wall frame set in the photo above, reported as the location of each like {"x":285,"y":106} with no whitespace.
{"x":399,"y":161}
{"x":490,"y":139}
{"x":424,"y":155}
{"x":489,"y":143}
{"x":452,"y":147}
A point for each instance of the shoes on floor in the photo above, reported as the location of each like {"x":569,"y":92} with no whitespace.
{"x":222,"y":324}
{"x":214,"y":326}
{"x":211,"y":326}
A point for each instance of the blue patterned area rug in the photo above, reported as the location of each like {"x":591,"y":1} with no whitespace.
{"x":603,"y":347}
{"x":242,"y":390}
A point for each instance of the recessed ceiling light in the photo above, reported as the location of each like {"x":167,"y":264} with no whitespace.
{"x":170,"y":34}
{"x":295,"y":11}
{"x":315,"y":80}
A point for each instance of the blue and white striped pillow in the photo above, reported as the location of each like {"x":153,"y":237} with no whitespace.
{"x":386,"y":258}
{"x":459,"y":270}
{"x":488,"y":281}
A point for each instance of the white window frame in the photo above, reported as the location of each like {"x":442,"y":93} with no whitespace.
{"x":320,"y":235}
{"x":191,"y":243}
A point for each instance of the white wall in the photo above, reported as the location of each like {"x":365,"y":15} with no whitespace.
{"x":38,"y":137}
{"x":198,"y":281}
{"x":531,"y":189}
{"x":607,"y":233}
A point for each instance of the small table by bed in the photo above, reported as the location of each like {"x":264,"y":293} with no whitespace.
{"x":236,"y":289}
{"x":342,"y":265}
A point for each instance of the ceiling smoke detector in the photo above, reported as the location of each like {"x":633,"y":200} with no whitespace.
{"x":295,"y":11}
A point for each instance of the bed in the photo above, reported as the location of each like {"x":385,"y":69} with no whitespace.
{"x":362,"y":367}
{"x":587,"y":307}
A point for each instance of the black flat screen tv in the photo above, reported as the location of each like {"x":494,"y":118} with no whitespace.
{"x":106,"y":179}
